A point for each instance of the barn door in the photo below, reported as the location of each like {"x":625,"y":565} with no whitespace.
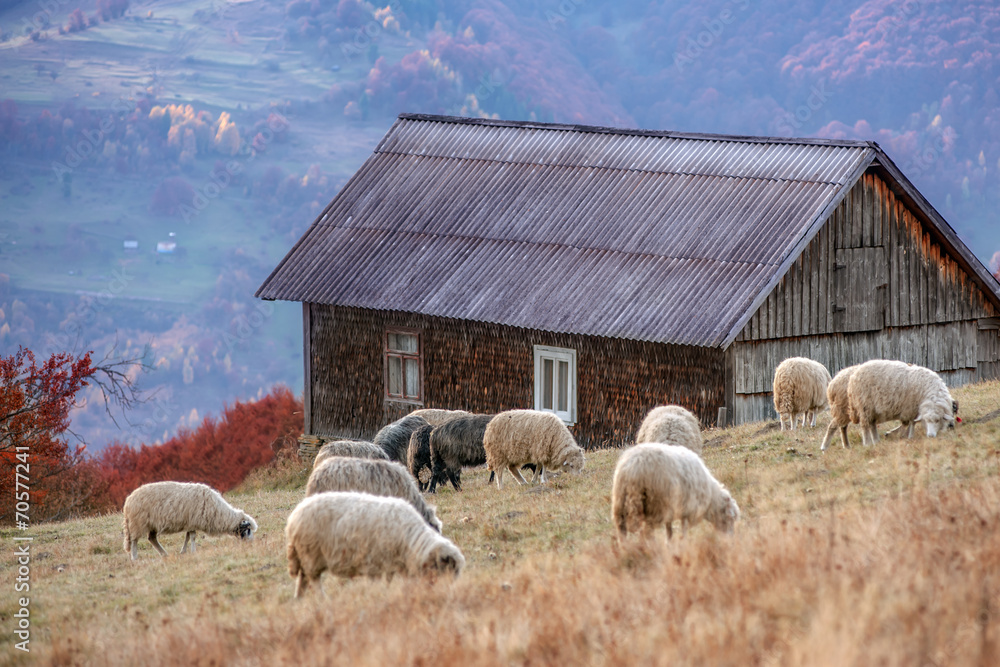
{"x":861,"y":276}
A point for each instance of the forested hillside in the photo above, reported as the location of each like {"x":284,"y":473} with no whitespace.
{"x":158,"y":158}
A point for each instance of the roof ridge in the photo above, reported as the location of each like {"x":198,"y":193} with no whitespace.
{"x":666,"y":134}
{"x":609,"y":168}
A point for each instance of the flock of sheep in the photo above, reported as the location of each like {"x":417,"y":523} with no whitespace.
{"x":365,"y":513}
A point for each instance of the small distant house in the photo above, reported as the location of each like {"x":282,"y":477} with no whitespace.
{"x":166,"y":247}
{"x":130,"y":244}
{"x":597,"y":272}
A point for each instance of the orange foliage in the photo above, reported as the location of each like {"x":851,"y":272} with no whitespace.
{"x":219,"y":453}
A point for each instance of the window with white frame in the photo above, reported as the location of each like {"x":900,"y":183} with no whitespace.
{"x":403,"y":379}
{"x":555,"y":381}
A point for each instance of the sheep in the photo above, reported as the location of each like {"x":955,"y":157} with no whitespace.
{"x":836,"y":396}
{"x":379,"y":478}
{"x":418,"y":454}
{"x":881,"y":390}
{"x":436,"y":417}
{"x":671,"y":423}
{"x":359,"y":449}
{"x":517,"y":437}
{"x":456,"y":444}
{"x":180,"y":507}
{"x":799,"y":388}
{"x":655,"y":483}
{"x":349,"y":534}
{"x":394,"y":438}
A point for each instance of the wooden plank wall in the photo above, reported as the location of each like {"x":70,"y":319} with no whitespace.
{"x":872,"y":284}
{"x":923,"y":284}
{"x":487,"y":368}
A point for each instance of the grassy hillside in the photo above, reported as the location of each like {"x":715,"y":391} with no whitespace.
{"x":883,"y":555}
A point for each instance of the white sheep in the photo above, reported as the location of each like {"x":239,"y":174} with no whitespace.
{"x":673,"y":424}
{"x":799,"y":389}
{"x":350,"y":534}
{"x":656,"y":483}
{"x":379,"y":478}
{"x":882,"y":390}
{"x":161,"y":508}
{"x":518,"y":437}
{"x":361,"y":449}
{"x":836,"y":396}
{"x":437,"y":416}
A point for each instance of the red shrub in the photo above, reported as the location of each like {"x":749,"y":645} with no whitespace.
{"x":219,"y":453}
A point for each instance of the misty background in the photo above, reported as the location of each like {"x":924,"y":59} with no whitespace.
{"x":157,"y":159}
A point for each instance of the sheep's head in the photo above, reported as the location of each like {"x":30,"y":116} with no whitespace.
{"x":725,"y":513}
{"x":444,"y":559}
{"x":246,"y":528}
{"x":937,"y":414}
{"x":572,"y":462}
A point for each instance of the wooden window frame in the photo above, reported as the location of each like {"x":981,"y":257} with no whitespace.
{"x":419,"y":356}
{"x":557,"y":354}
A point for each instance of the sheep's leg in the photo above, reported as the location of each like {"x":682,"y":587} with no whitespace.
{"x":909,"y":430}
{"x":155,"y":543}
{"x":301,"y":584}
{"x":813,"y":424}
{"x":499,"y":473}
{"x":538,"y":474}
{"x":135,"y":549}
{"x":830,"y":430}
{"x":781,"y":422}
{"x":456,"y":478}
{"x":843,"y":436}
{"x":517,"y":474}
{"x":190,"y":536}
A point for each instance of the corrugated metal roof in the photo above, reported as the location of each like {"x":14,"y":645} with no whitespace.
{"x":653,"y":236}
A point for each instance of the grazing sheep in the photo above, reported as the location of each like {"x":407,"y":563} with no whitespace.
{"x":656,"y":483}
{"x":379,"y":478}
{"x":350,"y":534}
{"x":394,"y":438}
{"x":436,"y":417}
{"x":518,"y":437}
{"x":883,"y":390}
{"x":836,"y":396}
{"x":799,"y":389}
{"x":359,"y":449}
{"x":671,"y":423}
{"x":418,"y":454}
{"x":161,"y":508}
{"x":456,"y":444}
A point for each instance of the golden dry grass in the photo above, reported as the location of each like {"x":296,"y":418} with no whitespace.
{"x":887,"y":555}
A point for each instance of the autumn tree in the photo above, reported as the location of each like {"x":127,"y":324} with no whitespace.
{"x":37,"y":462}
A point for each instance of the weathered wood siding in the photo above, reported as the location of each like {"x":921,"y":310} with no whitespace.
{"x":872,"y":284}
{"x":486,"y":368}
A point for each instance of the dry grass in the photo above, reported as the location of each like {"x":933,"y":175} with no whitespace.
{"x":889,"y":555}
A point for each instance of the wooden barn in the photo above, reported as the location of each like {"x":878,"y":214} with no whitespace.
{"x":596,"y":272}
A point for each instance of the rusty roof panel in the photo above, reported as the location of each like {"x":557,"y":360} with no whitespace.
{"x":646,"y":235}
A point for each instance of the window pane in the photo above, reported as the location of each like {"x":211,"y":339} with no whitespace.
{"x":563,"y":386}
{"x":395,"y":376}
{"x":391,"y":341}
{"x":407,"y":343}
{"x":546,"y":384}
{"x":412,"y":378}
